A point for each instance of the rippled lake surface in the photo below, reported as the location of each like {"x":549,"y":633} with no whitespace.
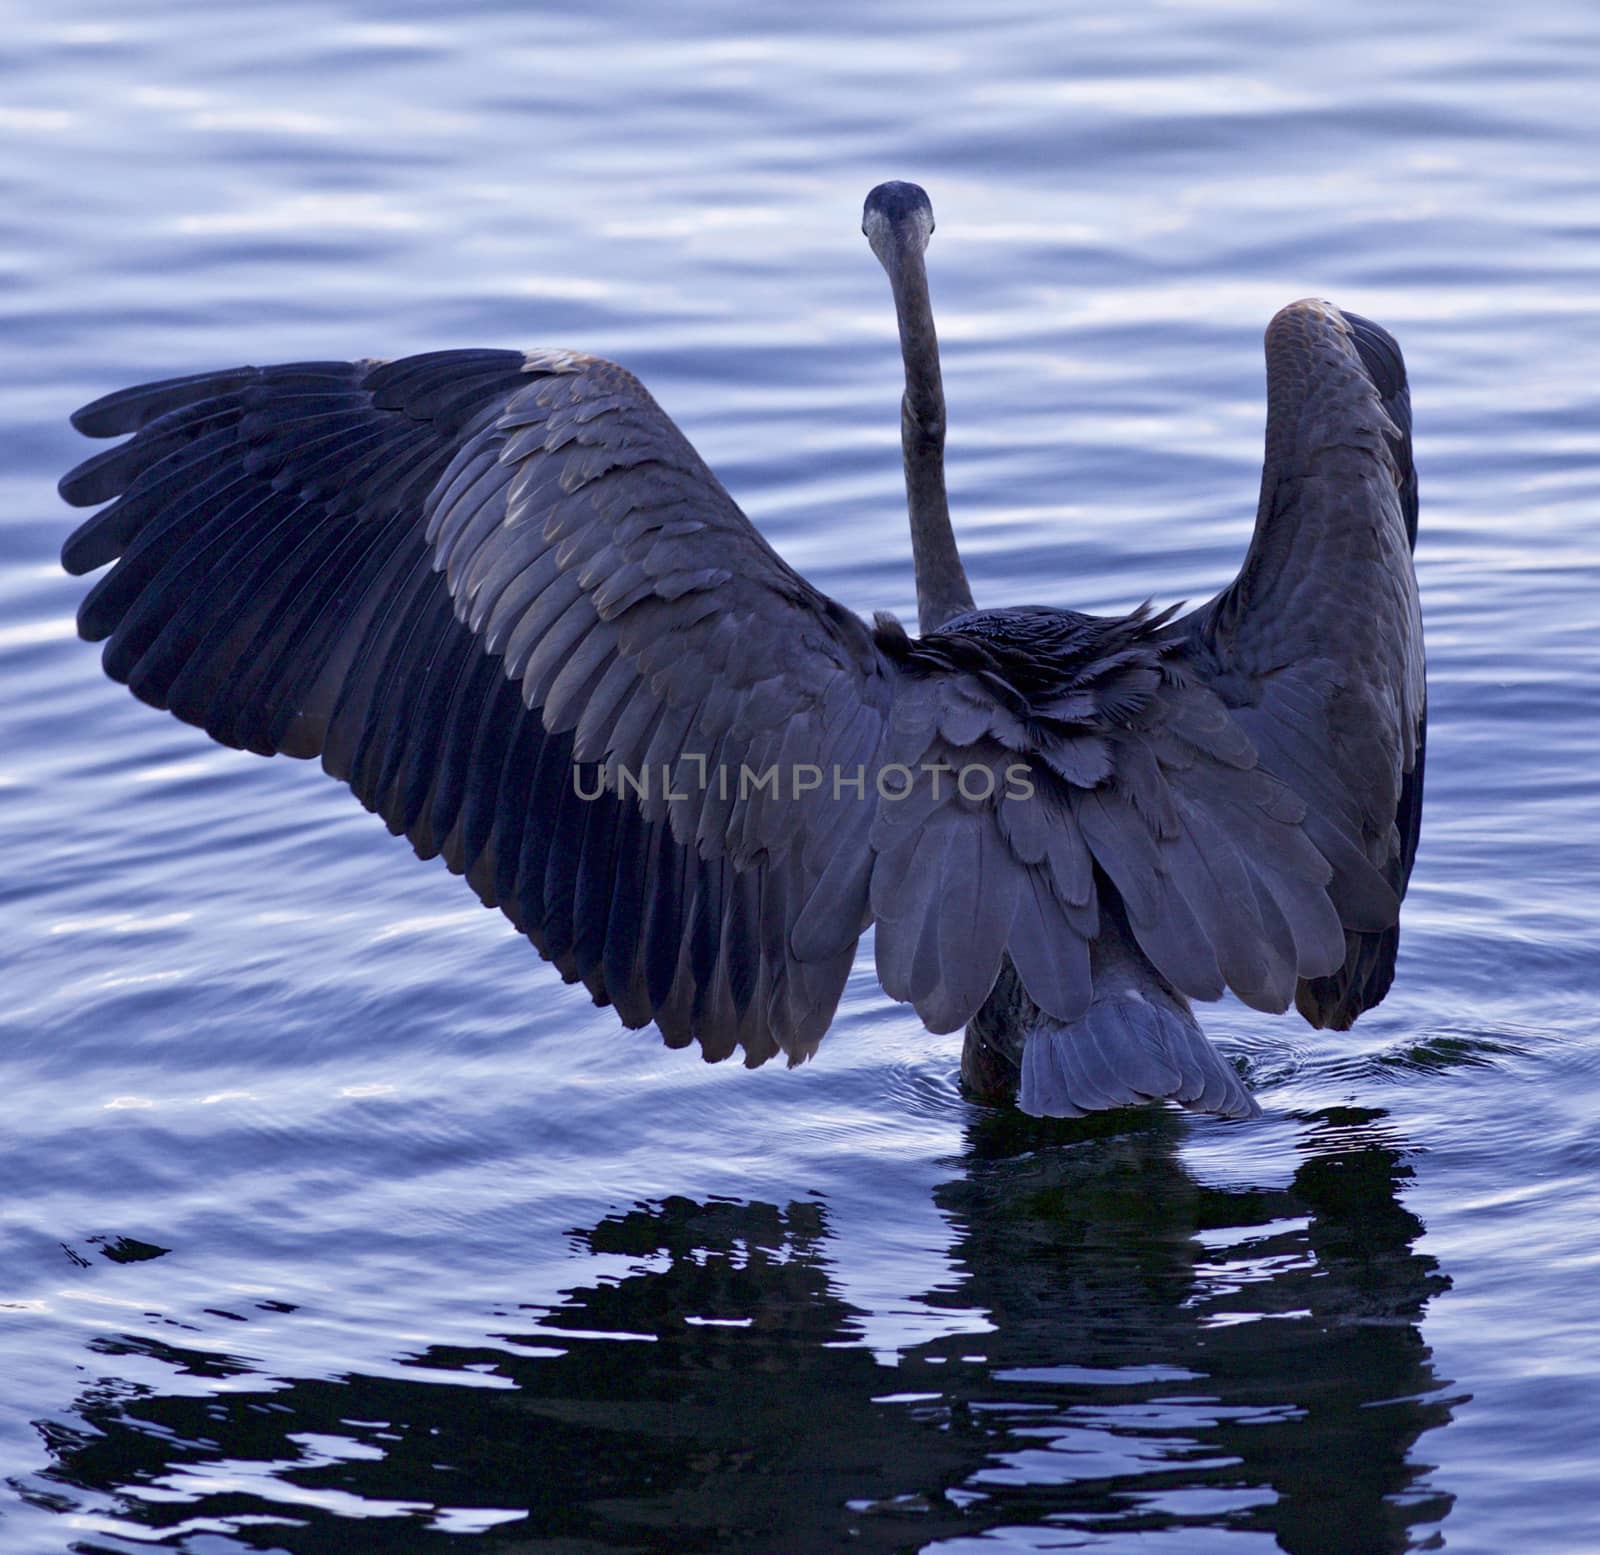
{"x":334,"y":1221}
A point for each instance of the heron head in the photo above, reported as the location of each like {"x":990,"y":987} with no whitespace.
{"x":897,"y":220}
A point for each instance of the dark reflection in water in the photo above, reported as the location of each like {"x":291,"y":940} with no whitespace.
{"x":1170,"y":1353}
{"x":1164,"y":1355}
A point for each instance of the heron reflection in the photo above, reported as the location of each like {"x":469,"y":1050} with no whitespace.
{"x":1164,"y":1354}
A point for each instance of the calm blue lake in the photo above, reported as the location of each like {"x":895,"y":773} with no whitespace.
{"x":333,"y":1221}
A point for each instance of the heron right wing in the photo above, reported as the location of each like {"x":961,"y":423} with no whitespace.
{"x":1316,"y":647}
{"x":1089,"y":787}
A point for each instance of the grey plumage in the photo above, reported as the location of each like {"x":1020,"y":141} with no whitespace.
{"x":1138,"y":1041}
{"x":502,"y":597}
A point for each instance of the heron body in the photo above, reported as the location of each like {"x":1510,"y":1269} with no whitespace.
{"x":500,"y":595}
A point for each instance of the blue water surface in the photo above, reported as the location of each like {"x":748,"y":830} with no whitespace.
{"x":334,"y":1221}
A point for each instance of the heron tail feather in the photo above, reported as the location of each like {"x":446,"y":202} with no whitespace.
{"x":1126,"y":1050}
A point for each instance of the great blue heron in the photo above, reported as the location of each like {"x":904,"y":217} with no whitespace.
{"x":502,"y":598}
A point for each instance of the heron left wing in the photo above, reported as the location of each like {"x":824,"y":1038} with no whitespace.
{"x":504,"y":599}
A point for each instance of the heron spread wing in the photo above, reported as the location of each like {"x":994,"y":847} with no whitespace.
{"x":1316,"y":647}
{"x":503,"y":598}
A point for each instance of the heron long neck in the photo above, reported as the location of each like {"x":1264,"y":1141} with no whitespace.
{"x":942,"y":588}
